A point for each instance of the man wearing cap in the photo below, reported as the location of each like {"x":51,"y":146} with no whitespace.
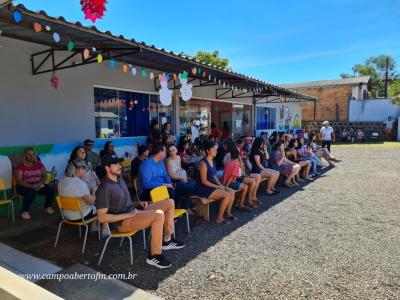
{"x":327,"y":135}
{"x":92,"y":156}
{"x":114,"y":205}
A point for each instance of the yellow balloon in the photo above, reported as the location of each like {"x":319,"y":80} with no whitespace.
{"x":99,"y":58}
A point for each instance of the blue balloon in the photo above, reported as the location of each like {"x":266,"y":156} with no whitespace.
{"x":17,"y":16}
{"x":199,"y":71}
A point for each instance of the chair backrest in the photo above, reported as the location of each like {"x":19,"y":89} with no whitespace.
{"x":159,"y":193}
{"x":70,"y":203}
{"x":3,"y":187}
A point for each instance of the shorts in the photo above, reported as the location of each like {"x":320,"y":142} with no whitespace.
{"x":236,"y":185}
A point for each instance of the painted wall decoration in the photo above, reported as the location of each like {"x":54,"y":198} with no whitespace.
{"x":165,"y":93}
{"x":289,"y":117}
{"x":186,"y":89}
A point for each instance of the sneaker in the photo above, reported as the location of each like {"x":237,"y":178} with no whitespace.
{"x":172,"y":244}
{"x":158,"y":261}
{"x":25,"y":215}
{"x":49,"y":210}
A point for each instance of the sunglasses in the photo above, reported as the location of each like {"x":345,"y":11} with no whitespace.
{"x":89,"y":145}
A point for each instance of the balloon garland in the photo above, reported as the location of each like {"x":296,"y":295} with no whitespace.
{"x":93,"y":9}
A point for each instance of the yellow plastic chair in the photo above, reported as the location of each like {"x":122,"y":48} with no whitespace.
{"x":116,"y":234}
{"x":74,"y":204}
{"x":136,"y":186}
{"x":16,"y":195}
{"x":161,"y":193}
{"x":126,"y":163}
{"x":6,"y":201}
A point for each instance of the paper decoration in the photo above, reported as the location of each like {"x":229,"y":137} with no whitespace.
{"x":54,"y":81}
{"x":151,"y":75}
{"x":37,"y":27}
{"x":56,"y":37}
{"x":175,"y":77}
{"x":17,"y":16}
{"x":99,"y":58}
{"x":94,"y":49}
{"x":70,"y":46}
{"x":86,"y":53}
{"x":112,"y":63}
{"x":144,"y":73}
{"x":186,"y":89}
{"x":165,"y":93}
{"x":124,"y":68}
{"x":48,"y":28}
{"x":194,"y":71}
{"x":199,"y":71}
{"x":93,"y":9}
{"x":134,"y":71}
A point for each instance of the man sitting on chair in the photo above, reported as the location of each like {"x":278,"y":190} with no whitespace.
{"x":114,"y":205}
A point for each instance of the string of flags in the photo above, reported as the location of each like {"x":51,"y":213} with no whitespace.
{"x":164,"y":92}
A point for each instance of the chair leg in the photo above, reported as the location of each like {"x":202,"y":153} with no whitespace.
{"x":174,"y":228}
{"x":187,"y":222}
{"x":12,"y":211}
{"x":58,"y":233}
{"x":99,"y":229}
{"x":104,"y":250}
{"x":144,"y":238}
{"x":80,"y":234}
{"x":84,"y":240}
{"x":130,"y":248}
{"x":122,"y":240}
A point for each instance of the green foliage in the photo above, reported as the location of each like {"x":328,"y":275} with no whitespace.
{"x":212,"y":58}
{"x":394,"y":91}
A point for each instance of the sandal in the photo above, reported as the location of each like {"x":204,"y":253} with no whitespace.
{"x":221,"y":222}
{"x":244,"y":208}
{"x":230,"y":217}
{"x":288,"y":185}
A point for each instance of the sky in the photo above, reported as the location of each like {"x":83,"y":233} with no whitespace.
{"x":276,"y":41}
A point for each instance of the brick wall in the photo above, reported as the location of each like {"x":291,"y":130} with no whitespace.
{"x":328,"y":99}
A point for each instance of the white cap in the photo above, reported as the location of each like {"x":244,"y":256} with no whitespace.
{"x":325,"y":123}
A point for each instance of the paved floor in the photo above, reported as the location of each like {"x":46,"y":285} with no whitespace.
{"x":336,"y":238}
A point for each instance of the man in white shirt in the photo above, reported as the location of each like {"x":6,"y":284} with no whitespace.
{"x":327,"y":135}
{"x":388,"y":128}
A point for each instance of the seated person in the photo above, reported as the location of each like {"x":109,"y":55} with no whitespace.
{"x":280,"y":163}
{"x":258,"y":158}
{"x":89,"y":177}
{"x":319,"y":151}
{"x":344,"y":135}
{"x":92,"y":156}
{"x":360,"y":135}
{"x":183,"y":187}
{"x":30,"y":177}
{"x":143,"y":153}
{"x":114,"y":205}
{"x":305,"y":155}
{"x":290,"y":151}
{"x":71,"y":185}
{"x":234,"y":179}
{"x":208,"y":185}
{"x":108,"y":149}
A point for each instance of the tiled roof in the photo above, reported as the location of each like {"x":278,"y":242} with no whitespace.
{"x":324,"y":83}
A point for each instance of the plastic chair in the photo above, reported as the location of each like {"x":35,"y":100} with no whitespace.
{"x":136,"y":186}
{"x":161,"y":193}
{"x":7,"y":201}
{"x":16,"y":195}
{"x":74,"y":204}
{"x":116,"y":234}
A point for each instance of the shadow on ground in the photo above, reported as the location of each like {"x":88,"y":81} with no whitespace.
{"x":37,"y":238}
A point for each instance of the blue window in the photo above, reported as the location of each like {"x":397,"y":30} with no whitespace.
{"x":265,"y":118}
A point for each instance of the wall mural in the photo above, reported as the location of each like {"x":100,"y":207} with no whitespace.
{"x":56,"y":155}
{"x":289,"y":117}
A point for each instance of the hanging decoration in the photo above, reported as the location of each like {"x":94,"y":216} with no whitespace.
{"x":194,"y":71}
{"x":134,"y":71}
{"x":94,"y":49}
{"x":175,"y":76}
{"x":151,"y":75}
{"x":144,"y":73}
{"x":70,"y":46}
{"x":56,"y":37}
{"x":112,"y":64}
{"x":124,"y":68}
{"x":17,"y":16}
{"x":186,"y":89}
{"x":48,"y":28}
{"x":93,"y":9}
{"x":54,"y":81}
{"x":99,"y":58}
{"x":86,"y":53}
{"x":165,"y":93}
{"x":37,"y":27}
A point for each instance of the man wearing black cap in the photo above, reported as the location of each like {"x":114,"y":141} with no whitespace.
{"x":114,"y":205}
{"x":92,"y":156}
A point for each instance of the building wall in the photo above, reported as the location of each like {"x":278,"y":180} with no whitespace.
{"x":376,"y":110}
{"x":329,"y":100}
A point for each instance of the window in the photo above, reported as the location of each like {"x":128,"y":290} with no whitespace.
{"x":121,"y":113}
{"x":265,"y":118}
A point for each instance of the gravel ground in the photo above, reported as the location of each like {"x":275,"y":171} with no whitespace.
{"x":336,"y":238}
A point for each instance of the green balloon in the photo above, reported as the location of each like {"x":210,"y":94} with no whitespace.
{"x":70,"y":46}
{"x":144,"y":73}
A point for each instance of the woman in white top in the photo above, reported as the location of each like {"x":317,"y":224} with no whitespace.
{"x":73,"y":186}
{"x":174,"y":166}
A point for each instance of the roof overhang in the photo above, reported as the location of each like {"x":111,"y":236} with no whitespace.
{"x":127,"y":51}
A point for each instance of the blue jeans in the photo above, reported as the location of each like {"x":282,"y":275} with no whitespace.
{"x":181,"y":194}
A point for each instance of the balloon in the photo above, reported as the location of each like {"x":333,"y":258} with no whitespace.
{"x":99,"y":58}
{"x":86,"y":53}
{"x":37,"y":27}
{"x":56,"y":37}
{"x":17,"y":16}
{"x":70,"y":46}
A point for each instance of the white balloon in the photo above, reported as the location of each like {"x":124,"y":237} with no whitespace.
{"x":134,"y":71}
{"x":56,"y":37}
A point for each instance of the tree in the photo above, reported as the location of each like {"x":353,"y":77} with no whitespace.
{"x":212,"y":58}
{"x":394,"y":91}
{"x":375,"y":67}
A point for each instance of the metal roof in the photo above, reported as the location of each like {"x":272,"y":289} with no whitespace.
{"x":139,"y":53}
{"x":326,"y":83}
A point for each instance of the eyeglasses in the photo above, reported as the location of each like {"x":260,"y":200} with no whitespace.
{"x":89,"y":145}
